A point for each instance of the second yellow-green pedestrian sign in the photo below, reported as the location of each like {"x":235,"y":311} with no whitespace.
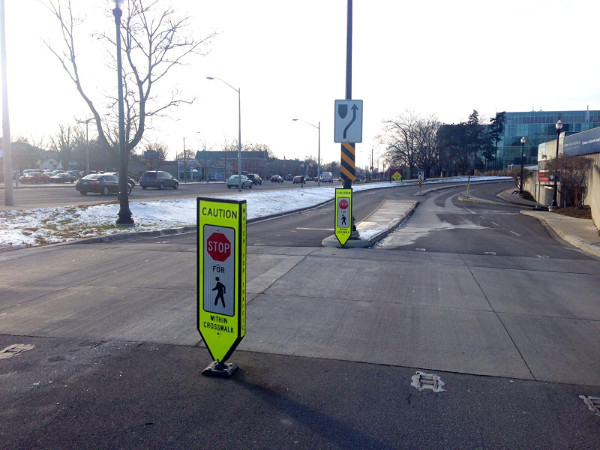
{"x":343,"y":214}
{"x":221,"y":275}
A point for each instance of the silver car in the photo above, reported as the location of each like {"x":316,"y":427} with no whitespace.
{"x":233,"y":181}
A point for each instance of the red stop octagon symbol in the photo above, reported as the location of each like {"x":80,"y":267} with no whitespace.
{"x":218,"y":247}
{"x":343,"y":203}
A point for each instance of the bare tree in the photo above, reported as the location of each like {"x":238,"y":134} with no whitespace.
{"x":153,"y":43}
{"x":411,"y":141}
{"x":158,"y":152}
{"x":400,"y":140}
{"x":572,"y":174}
{"x":427,"y":153}
{"x":64,"y":143}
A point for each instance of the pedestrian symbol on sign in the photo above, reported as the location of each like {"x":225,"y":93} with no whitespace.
{"x":219,"y":269}
{"x":220,"y":288}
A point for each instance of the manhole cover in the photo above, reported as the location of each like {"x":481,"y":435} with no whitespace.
{"x":15,"y":349}
{"x":422,"y":381}
{"x":593,"y":403}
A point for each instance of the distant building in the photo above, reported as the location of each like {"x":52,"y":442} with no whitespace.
{"x":539,"y":127}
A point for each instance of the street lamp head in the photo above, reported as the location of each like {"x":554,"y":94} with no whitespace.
{"x":118,"y":11}
{"x":559,"y":125}
{"x":210,"y":78}
{"x":523,"y":140}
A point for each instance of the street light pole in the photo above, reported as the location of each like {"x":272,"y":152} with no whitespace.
{"x":318,"y":127}
{"x":238,"y":90}
{"x":124,"y":211}
{"x":7,"y":151}
{"x":87,"y":141}
{"x":554,"y":204}
{"x":523,"y":140}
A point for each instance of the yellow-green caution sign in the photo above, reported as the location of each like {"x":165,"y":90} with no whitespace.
{"x":221,"y":275}
{"x":343,"y":214}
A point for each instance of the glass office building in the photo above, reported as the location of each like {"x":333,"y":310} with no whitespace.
{"x":538,"y":127}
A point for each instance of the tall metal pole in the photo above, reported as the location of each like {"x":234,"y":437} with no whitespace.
{"x":7,"y":151}
{"x":238,"y":90}
{"x":522,"y":153}
{"x":319,"y":158}
{"x":124,"y":218}
{"x":347,"y":180}
{"x":554,"y":204}
{"x":239,"y":139}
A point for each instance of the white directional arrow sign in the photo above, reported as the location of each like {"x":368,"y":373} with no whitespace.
{"x":348,"y":121}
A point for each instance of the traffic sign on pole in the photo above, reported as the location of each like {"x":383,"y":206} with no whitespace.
{"x":348,"y":121}
{"x":221,"y":279}
{"x":343,"y":214}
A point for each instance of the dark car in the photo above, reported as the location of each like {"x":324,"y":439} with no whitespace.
{"x":34,"y":177}
{"x":298,"y":179}
{"x":63,"y":178}
{"x":99,"y":183}
{"x":158,"y":179}
{"x":276,"y":179}
{"x":130,"y":181}
{"x":255,"y":178}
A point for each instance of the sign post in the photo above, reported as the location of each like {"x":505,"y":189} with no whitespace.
{"x":221,"y":286}
{"x":343,"y":214}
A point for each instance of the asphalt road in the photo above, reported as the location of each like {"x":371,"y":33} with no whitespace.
{"x":509,"y":322}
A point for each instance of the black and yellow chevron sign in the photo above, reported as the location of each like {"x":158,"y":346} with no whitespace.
{"x":348,"y":169}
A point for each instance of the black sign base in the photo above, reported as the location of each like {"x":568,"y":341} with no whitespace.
{"x":219,"y":369}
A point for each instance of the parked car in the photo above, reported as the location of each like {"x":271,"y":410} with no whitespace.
{"x":34,"y":177}
{"x":327,"y":177}
{"x":99,"y":183}
{"x":130,"y":181}
{"x":158,"y":179}
{"x":255,"y":178}
{"x":276,"y":179}
{"x":63,"y":178}
{"x":298,"y":179}
{"x":233,"y":181}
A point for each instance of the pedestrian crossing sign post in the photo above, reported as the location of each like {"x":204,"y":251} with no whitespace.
{"x":221,"y":283}
{"x":343,"y":214}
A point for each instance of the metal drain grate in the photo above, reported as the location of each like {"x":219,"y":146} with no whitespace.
{"x":422,"y":381}
{"x":593,"y":403}
{"x":15,"y":349}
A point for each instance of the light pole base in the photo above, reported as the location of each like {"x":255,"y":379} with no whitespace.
{"x":124,"y":218}
{"x":553,"y":207}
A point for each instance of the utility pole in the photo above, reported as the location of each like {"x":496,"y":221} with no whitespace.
{"x":348,"y":160}
{"x":7,"y":152}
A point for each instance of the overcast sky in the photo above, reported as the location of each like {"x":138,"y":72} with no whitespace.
{"x":289,"y":59}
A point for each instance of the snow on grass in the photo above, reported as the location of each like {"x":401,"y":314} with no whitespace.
{"x":43,"y":226}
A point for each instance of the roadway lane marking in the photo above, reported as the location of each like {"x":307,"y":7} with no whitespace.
{"x":494,"y":223}
{"x":315,"y":229}
{"x":490,"y":253}
{"x":515,"y":233}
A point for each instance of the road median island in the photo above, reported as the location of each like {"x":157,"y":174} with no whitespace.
{"x":383,"y":220}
